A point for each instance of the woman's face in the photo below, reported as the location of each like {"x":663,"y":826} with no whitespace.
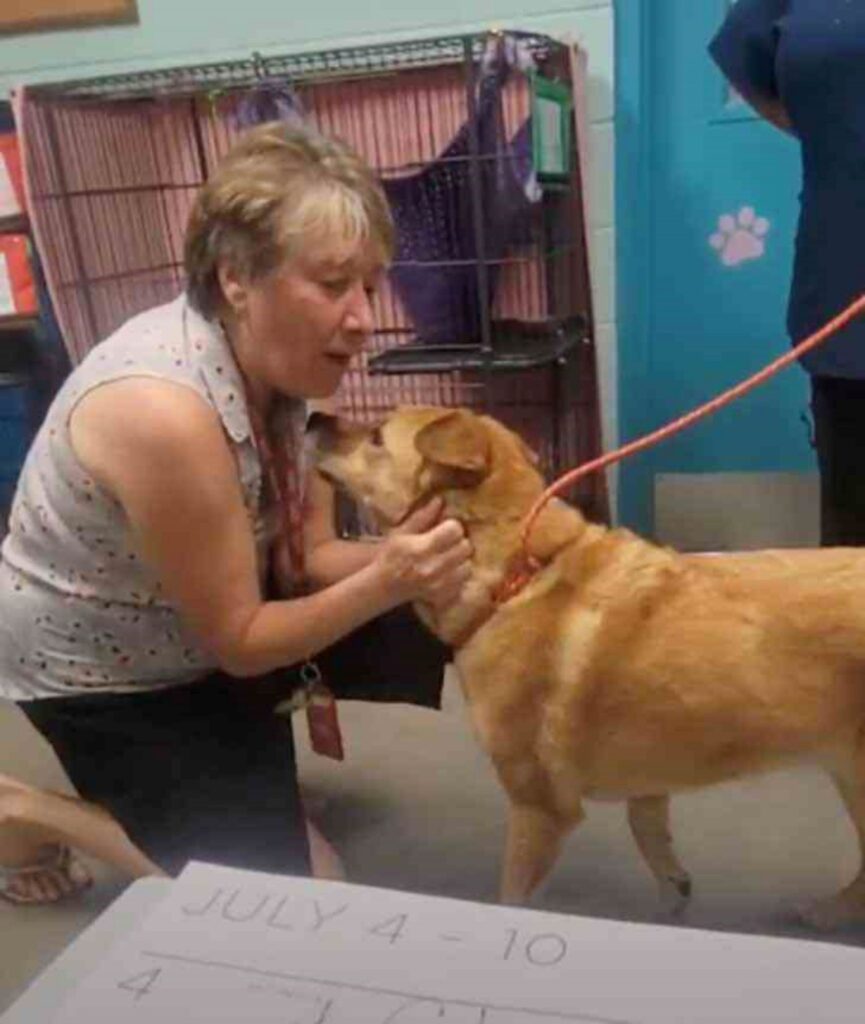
{"x":302,"y":324}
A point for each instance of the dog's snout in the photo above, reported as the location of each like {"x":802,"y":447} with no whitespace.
{"x":333,"y":435}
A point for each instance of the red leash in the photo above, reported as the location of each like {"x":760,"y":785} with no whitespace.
{"x":526,"y":566}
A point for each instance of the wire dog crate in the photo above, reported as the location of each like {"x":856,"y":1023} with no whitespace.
{"x":488,"y":303}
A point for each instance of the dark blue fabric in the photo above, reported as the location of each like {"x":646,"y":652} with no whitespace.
{"x":810,"y":55}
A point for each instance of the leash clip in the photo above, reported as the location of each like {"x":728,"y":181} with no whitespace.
{"x":310,"y":675}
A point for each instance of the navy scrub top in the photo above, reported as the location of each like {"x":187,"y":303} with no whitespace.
{"x":810,"y":55}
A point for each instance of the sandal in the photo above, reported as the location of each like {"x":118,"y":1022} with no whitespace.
{"x":63,"y":875}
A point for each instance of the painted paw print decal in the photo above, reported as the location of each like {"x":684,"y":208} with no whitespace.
{"x":740,"y":238}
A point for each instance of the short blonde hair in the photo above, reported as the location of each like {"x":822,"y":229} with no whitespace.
{"x":280,"y":189}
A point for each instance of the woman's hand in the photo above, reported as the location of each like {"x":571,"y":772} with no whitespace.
{"x":424,"y":559}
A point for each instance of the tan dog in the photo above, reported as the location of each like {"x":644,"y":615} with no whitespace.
{"x":623,"y":671}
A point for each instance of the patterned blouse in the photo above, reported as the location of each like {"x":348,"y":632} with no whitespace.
{"x":79,"y":612}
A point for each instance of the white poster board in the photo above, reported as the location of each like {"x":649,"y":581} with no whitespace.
{"x":229,"y":946}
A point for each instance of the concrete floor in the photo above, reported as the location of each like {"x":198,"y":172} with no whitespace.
{"x":415,"y":807}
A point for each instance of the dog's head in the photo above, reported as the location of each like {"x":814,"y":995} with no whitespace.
{"x":417,"y":452}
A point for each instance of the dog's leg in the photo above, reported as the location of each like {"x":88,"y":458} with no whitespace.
{"x":535,"y":837}
{"x":649,"y":818}
{"x":848,"y":905}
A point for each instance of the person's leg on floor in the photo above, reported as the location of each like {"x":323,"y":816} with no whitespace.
{"x":838,"y":406}
{"x":39,"y":832}
{"x":204,"y":771}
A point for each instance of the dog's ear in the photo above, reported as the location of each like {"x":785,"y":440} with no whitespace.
{"x":530,"y":454}
{"x":457,"y":440}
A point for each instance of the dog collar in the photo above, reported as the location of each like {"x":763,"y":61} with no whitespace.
{"x":519,"y":574}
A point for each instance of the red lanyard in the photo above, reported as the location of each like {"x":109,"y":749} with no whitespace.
{"x":280,"y":466}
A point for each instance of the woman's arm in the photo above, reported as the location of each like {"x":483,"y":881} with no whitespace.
{"x":771,"y":110}
{"x":171,"y":469}
{"x":745,"y":49}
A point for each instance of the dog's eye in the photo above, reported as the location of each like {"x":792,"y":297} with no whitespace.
{"x":375,"y":437}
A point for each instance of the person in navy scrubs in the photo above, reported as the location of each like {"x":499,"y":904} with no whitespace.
{"x":801,"y":65}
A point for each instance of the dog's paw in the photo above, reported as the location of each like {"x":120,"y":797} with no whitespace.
{"x":831,"y":914}
{"x":676,"y":892}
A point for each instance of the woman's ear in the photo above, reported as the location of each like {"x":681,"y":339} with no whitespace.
{"x":233,"y":287}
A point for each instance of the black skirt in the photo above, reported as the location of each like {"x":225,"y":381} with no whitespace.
{"x":206,"y":770}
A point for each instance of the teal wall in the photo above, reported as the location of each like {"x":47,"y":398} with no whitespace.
{"x":691,"y":326}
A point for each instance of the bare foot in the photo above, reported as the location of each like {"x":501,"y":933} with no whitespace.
{"x":56,"y":875}
{"x":37,"y":825}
